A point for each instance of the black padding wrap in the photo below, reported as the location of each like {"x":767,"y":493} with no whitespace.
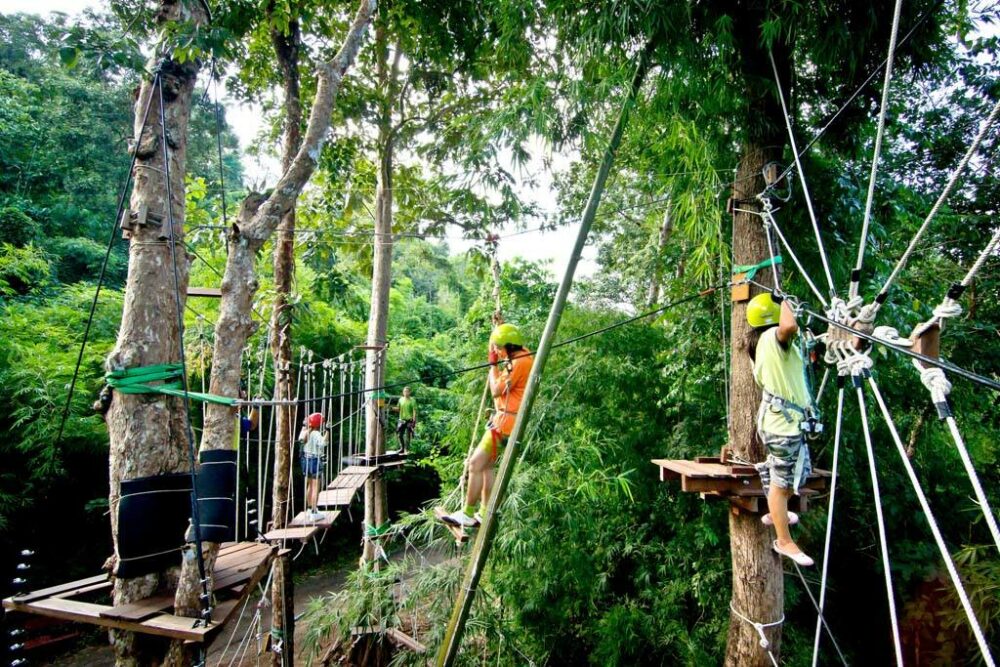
{"x":217,"y":495}
{"x":152,"y":515}
{"x":855,"y":275}
{"x":943,"y":409}
{"x":841,"y":381}
{"x":955,"y":291}
{"x":881,"y":297}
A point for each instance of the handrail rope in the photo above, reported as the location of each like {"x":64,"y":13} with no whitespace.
{"x":820,"y":621}
{"x":760,"y":627}
{"x":883,"y":541}
{"x":876,"y":153}
{"x":949,"y":186}
{"x":956,"y":580}
{"x":802,"y":175}
{"x":205,"y":598}
{"x":724,"y":261}
{"x":101,"y":276}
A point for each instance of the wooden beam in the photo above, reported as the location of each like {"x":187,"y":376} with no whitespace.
{"x":209,"y":292}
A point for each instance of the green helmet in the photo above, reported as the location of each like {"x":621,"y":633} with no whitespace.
{"x":762,"y":311}
{"x":507,"y":334}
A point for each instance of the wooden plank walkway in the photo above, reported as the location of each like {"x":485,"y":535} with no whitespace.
{"x":301,"y":520}
{"x":238,"y":568}
{"x":300,"y":533}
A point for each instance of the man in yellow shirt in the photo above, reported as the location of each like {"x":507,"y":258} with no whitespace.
{"x":511,"y":364}
{"x":784,"y":415}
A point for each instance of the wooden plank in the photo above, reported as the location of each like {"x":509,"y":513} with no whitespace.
{"x":329,"y":517}
{"x":404,"y":640}
{"x":301,"y":533}
{"x":210,"y":292}
{"x":61,"y":588}
{"x":461,"y":534}
{"x":141,"y":610}
{"x":104,"y":585}
{"x":336,"y":497}
{"x":249,"y":559}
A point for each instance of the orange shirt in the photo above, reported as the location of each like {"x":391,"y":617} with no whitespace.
{"x":508,"y":389}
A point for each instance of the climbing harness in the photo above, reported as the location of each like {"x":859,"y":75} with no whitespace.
{"x":809,"y":424}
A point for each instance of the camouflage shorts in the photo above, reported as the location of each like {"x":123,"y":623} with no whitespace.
{"x":783,"y":456}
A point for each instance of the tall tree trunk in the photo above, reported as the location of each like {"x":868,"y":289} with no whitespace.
{"x":758,"y":580}
{"x":286,"y":48}
{"x":258,"y":218}
{"x":147,"y":432}
{"x":376,"y":503}
{"x":653,"y":295}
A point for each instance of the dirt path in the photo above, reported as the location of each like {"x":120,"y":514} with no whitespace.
{"x":307,"y":588}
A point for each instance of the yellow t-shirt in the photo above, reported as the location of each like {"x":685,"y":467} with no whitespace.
{"x":781,"y":372}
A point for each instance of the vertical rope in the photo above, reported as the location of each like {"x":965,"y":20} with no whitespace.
{"x":876,"y":152}
{"x":956,"y":581}
{"x":829,"y":521}
{"x":883,"y":542}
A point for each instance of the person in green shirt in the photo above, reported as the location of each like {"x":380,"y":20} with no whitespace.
{"x":779,"y":370}
{"x":407,"y":424}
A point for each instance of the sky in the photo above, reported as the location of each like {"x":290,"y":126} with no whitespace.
{"x":553,"y":247}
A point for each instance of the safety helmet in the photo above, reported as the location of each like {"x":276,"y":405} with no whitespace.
{"x":762,"y":311}
{"x":507,"y":334}
{"x":315,"y":420}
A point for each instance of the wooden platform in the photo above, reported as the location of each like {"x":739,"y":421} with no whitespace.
{"x":300,"y":533}
{"x":461,"y":534}
{"x":738,"y":483}
{"x":238,"y":568}
{"x":300,"y":520}
{"x":352,"y":477}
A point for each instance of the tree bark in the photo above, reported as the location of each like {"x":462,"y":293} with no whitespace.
{"x":758,"y":580}
{"x":286,"y":48}
{"x":147,"y":432}
{"x":257,"y":220}
{"x":376,"y":503}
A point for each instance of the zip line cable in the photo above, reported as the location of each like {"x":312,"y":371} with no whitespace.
{"x":876,"y":153}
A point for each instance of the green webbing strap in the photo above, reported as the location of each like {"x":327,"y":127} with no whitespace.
{"x":378,"y":531}
{"x":136,"y":381}
{"x":752,"y":269}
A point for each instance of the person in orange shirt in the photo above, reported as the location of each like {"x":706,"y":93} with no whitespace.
{"x":511,"y":364}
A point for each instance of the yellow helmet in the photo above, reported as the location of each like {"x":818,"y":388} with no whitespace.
{"x":762,"y":311}
{"x":507,"y":334}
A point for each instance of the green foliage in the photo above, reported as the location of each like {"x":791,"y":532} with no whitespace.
{"x":17,"y":228}
{"x":22,"y":270}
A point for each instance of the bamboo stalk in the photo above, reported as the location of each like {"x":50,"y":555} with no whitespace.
{"x":456,"y":626}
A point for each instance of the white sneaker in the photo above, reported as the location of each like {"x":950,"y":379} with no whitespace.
{"x":479,"y":518}
{"x":793,"y":519}
{"x":460,"y":518}
{"x":316,"y":515}
{"x":799,"y":558}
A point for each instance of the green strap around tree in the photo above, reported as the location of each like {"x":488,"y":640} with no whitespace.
{"x":136,"y":381}
{"x":378,"y":531}
{"x":752,"y":269}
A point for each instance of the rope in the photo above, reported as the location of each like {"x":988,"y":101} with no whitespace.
{"x":952,"y":181}
{"x":802,"y":176}
{"x":820,"y":622}
{"x":883,"y":542}
{"x":876,"y":152}
{"x":760,"y":627}
{"x":768,"y":215}
{"x":984,"y":648}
